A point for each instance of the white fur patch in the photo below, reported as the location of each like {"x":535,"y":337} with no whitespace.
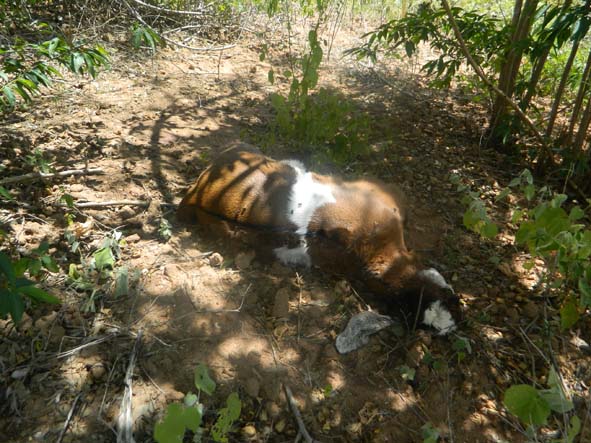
{"x":294,"y":256}
{"x":438,"y":317}
{"x":305,"y":197}
{"x":436,"y":278}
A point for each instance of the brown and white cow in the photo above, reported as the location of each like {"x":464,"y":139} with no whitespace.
{"x":365,"y":218}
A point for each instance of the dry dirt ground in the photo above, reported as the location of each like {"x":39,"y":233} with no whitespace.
{"x":151,"y":124}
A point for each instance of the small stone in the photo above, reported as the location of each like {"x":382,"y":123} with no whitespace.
{"x":25,"y":324}
{"x":43,"y":324}
{"x":415,"y":355}
{"x":244,"y":260}
{"x":280,"y":425}
{"x":76,"y":187}
{"x":342,"y":288}
{"x":531,"y":310}
{"x":126,"y":212}
{"x":512,"y":315}
{"x":249,"y":431}
{"x":273,"y":409}
{"x":252,"y":387}
{"x":281,"y":304}
{"x":57,"y":333}
{"x":174,"y":395}
{"x":133,"y":238}
{"x":98,"y":371}
{"x":215,"y":260}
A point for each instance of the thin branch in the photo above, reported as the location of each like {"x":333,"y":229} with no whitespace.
{"x":523,"y":117}
{"x":200,"y":12}
{"x":109,"y":203}
{"x":43,"y":175}
{"x":295,"y":411}
{"x":68,"y":418}
{"x":175,"y":43}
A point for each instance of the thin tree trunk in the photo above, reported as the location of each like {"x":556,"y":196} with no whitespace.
{"x":539,"y":66}
{"x":583,"y":127}
{"x":504,"y":74}
{"x":524,"y":118}
{"x":521,"y":22}
{"x":564,"y":79}
{"x":583,"y":88}
{"x":535,"y":78}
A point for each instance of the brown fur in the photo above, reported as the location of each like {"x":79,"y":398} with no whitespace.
{"x":244,"y":186}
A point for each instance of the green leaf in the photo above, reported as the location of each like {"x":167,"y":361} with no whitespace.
{"x":11,"y":303}
{"x":103,"y":258}
{"x":576,"y":213}
{"x":525,"y":402}
{"x":226,"y":417}
{"x":429,"y":433}
{"x":6,"y":267}
{"x":49,"y":263}
{"x":271,"y":76}
{"x":203,"y":381}
{"x":585,"y":289}
{"x":68,"y":200}
{"x":569,"y":315}
{"x":489,"y":230}
{"x":190,"y":399}
{"x":407,"y":373}
{"x":192,"y":417}
{"x":5,"y":194}
{"x":555,"y":396}
{"x":10,"y":98}
{"x":529,"y":191}
{"x":20,"y":266}
{"x":34,"y":267}
{"x":39,"y":294}
{"x":574,"y":429}
{"x":172,"y":428}
{"x":503,"y":194}
{"x":121,"y":282}
{"x":556,"y":400}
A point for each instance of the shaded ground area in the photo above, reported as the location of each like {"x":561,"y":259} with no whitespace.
{"x":151,"y":127}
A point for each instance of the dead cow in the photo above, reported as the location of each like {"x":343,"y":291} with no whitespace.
{"x":365,"y":218}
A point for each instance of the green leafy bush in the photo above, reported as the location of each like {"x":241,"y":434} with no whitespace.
{"x":485,"y":36}
{"x":548,"y":231}
{"x":324,"y":121}
{"x":189,"y":416}
{"x":25,"y":66}
{"x":533,"y":406}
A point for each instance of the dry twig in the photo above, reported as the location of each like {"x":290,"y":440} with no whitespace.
{"x":295,"y":411}
{"x":44,"y":175}
{"x":68,"y":418}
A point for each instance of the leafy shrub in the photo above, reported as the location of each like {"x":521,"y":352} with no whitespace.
{"x":533,"y":406}
{"x":189,"y":415}
{"x":485,"y":36}
{"x":25,"y":66}
{"x":550,"y":232}
{"x":324,"y":121}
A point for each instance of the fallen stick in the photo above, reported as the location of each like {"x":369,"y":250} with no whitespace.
{"x":68,"y":418}
{"x":108,"y":203}
{"x":125,"y":420}
{"x":42,"y":175}
{"x":295,"y":411}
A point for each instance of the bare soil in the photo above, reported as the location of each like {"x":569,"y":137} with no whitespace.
{"x":151,"y":124}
